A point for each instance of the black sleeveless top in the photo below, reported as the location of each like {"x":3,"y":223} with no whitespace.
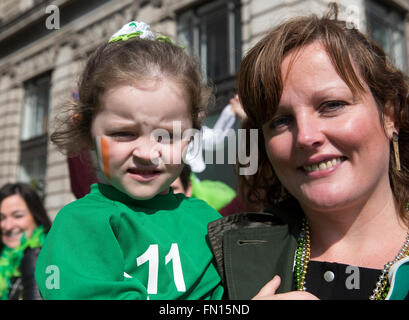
{"x":333,"y":281}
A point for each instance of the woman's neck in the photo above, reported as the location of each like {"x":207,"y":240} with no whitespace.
{"x":366,"y":234}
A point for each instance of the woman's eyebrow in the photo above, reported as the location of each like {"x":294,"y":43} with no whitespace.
{"x":332,"y":89}
{"x":18,"y":211}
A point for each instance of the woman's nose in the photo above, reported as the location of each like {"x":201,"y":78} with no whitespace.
{"x":7,"y":224}
{"x":309,"y":132}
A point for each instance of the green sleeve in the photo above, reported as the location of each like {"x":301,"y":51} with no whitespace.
{"x":82,"y":259}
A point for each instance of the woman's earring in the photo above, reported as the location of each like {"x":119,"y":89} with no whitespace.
{"x":395,"y":140}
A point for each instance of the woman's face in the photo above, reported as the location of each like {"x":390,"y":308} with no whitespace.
{"x":15,"y":219}
{"x":326,"y":145}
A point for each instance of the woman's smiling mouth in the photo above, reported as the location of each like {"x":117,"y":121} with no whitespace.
{"x":324,"y":165}
{"x":12,"y":234}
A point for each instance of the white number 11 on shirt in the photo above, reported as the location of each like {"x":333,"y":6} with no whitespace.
{"x":152,"y":256}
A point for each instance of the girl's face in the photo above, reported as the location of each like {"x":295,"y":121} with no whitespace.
{"x":133,"y":156}
{"x":326,"y":145}
{"x":15,"y":219}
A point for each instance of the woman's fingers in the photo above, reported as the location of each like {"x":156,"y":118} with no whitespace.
{"x":269,"y":288}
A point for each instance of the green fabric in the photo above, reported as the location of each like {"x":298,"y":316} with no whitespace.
{"x":215,"y":193}
{"x":400,"y":280}
{"x":107,"y":245}
{"x":10,"y":259}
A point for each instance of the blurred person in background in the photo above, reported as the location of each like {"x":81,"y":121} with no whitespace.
{"x":23,"y":226}
{"x":215,"y":193}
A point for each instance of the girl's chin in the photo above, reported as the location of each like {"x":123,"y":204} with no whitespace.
{"x":144,"y":193}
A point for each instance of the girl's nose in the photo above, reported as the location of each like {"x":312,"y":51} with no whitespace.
{"x":146,"y":151}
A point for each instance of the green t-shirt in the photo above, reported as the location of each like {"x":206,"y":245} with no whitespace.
{"x":107,"y":245}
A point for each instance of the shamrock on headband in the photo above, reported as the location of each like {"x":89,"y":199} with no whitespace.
{"x":136,"y":29}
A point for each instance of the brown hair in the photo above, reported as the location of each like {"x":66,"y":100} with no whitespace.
{"x":260,"y":87}
{"x":130,"y":61}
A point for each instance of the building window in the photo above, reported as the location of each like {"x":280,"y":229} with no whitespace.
{"x":35,"y":110}
{"x":33,"y":142}
{"x":386,"y":24}
{"x":212,"y":32}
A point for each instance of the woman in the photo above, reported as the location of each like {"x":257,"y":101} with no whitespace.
{"x":23,"y":225}
{"x":332,"y":115}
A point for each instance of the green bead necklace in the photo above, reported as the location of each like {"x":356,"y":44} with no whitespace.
{"x":302,"y":256}
{"x":303,"y":253}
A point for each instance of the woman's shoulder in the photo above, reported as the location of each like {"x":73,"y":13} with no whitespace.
{"x":284,"y":213}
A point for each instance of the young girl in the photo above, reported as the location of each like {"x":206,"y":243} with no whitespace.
{"x":132,"y":237}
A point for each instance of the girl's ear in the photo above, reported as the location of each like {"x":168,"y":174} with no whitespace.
{"x":389,"y":122}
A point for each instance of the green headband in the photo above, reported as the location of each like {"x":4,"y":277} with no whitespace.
{"x":135,"y":29}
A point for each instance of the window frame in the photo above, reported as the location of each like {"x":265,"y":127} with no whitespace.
{"x":191,"y":20}
{"x":36,"y":88}
{"x":35,"y":144}
{"x":375,"y":16}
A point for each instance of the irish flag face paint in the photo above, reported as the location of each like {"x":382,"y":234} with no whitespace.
{"x":102,"y":147}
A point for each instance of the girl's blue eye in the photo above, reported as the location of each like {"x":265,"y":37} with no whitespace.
{"x":122,"y":136}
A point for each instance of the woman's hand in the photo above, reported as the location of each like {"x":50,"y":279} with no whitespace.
{"x":268,"y":292}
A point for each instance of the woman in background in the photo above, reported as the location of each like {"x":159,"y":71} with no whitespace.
{"x":23,"y":225}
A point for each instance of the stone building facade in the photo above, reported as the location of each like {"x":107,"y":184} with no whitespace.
{"x":44,"y":44}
